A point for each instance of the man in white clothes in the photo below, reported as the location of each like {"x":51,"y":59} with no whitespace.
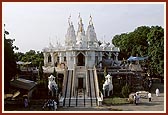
{"x":149,"y":96}
{"x":55,"y":105}
{"x":157,"y":92}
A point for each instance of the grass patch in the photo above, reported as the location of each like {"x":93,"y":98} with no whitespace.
{"x":115,"y":101}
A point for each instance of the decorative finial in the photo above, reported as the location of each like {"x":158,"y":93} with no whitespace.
{"x":80,"y":23}
{"x":90,"y":21}
{"x":79,"y":15}
{"x":80,"y":18}
{"x":69,"y":19}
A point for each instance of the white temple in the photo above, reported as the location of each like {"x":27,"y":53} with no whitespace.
{"x":81,"y":54}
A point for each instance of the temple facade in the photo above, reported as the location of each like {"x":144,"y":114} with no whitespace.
{"x":80,"y":56}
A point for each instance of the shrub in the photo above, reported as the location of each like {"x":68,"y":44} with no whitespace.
{"x":125,"y":91}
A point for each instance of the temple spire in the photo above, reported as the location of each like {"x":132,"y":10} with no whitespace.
{"x":80,"y":23}
{"x":90,"y":21}
{"x":69,"y":19}
{"x":79,"y":15}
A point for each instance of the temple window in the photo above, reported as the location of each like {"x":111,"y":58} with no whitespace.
{"x":64,"y":58}
{"x":96,"y":60}
{"x":58,"y":59}
{"x":49,"y":58}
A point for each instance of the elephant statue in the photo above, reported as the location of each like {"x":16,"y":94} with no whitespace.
{"x":52,"y":86}
{"x":108,"y":86}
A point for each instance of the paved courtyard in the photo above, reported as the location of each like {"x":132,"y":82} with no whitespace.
{"x":157,"y":104}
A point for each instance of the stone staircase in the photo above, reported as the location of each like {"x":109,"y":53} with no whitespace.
{"x":79,"y":97}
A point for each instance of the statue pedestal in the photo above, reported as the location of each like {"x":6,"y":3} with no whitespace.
{"x":99,"y":101}
{"x":61,"y":101}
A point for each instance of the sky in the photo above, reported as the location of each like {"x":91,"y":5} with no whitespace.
{"x":35,"y":25}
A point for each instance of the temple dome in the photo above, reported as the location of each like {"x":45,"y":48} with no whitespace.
{"x":81,"y":38}
{"x":91,"y":35}
{"x":70,"y":37}
{"x":58,"y":45}
{"x":103,"y":45}
{"x":111,"y":45}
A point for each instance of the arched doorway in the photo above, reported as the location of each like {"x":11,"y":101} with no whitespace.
{"x":80,"y":83}
{"x":49,"y":58}
{"x":80,"y":60}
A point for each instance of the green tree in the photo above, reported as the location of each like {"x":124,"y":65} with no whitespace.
{"x":40,"y":72}
{"x":132,"y":43}
{"x":144,"y":41}
{"x":10,"y":68}
{"x":31,"y":56}
{"x":19,"y":56}
{"x":156,"y":50}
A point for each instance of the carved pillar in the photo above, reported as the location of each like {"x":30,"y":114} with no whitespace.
{"x":61,"y":57}
{"x":100,"y":58}
{"x":86,"y":59}
{"x":52,"y":59}
{"x":87,"y":81}
{"x":109,"y":56}
{"x":74,"y":55}
{"x":116,"y":56}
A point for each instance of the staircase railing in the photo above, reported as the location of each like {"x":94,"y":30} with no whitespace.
{"x":73,"y":81}
{"x":66,"y":87}
{"x":96,"y":82}
{"x":90,"y":86}
{"x":71,"y":89}
{"x":76,"y":97}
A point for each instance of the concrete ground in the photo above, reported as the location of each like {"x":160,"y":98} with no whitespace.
{"x":157,"y":104}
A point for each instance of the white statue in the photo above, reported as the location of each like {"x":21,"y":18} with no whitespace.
{"x":108,"y":86}
{"x":52,"y":86}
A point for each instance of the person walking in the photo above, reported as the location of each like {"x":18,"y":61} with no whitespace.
{"x":55,"y":105}
{"x":26,"y":102}
{"x":157,"y":92}
{"x":149,"y":96}
{"x":135,"y":99}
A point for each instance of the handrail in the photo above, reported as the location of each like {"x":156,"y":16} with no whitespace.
{"x":73,"y":81}
{"x":66,"y":87}
{"x":70,"y":89}
{"x":96,"y":81}
{"x":64,"y":82}
{"x":90,"y":87}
